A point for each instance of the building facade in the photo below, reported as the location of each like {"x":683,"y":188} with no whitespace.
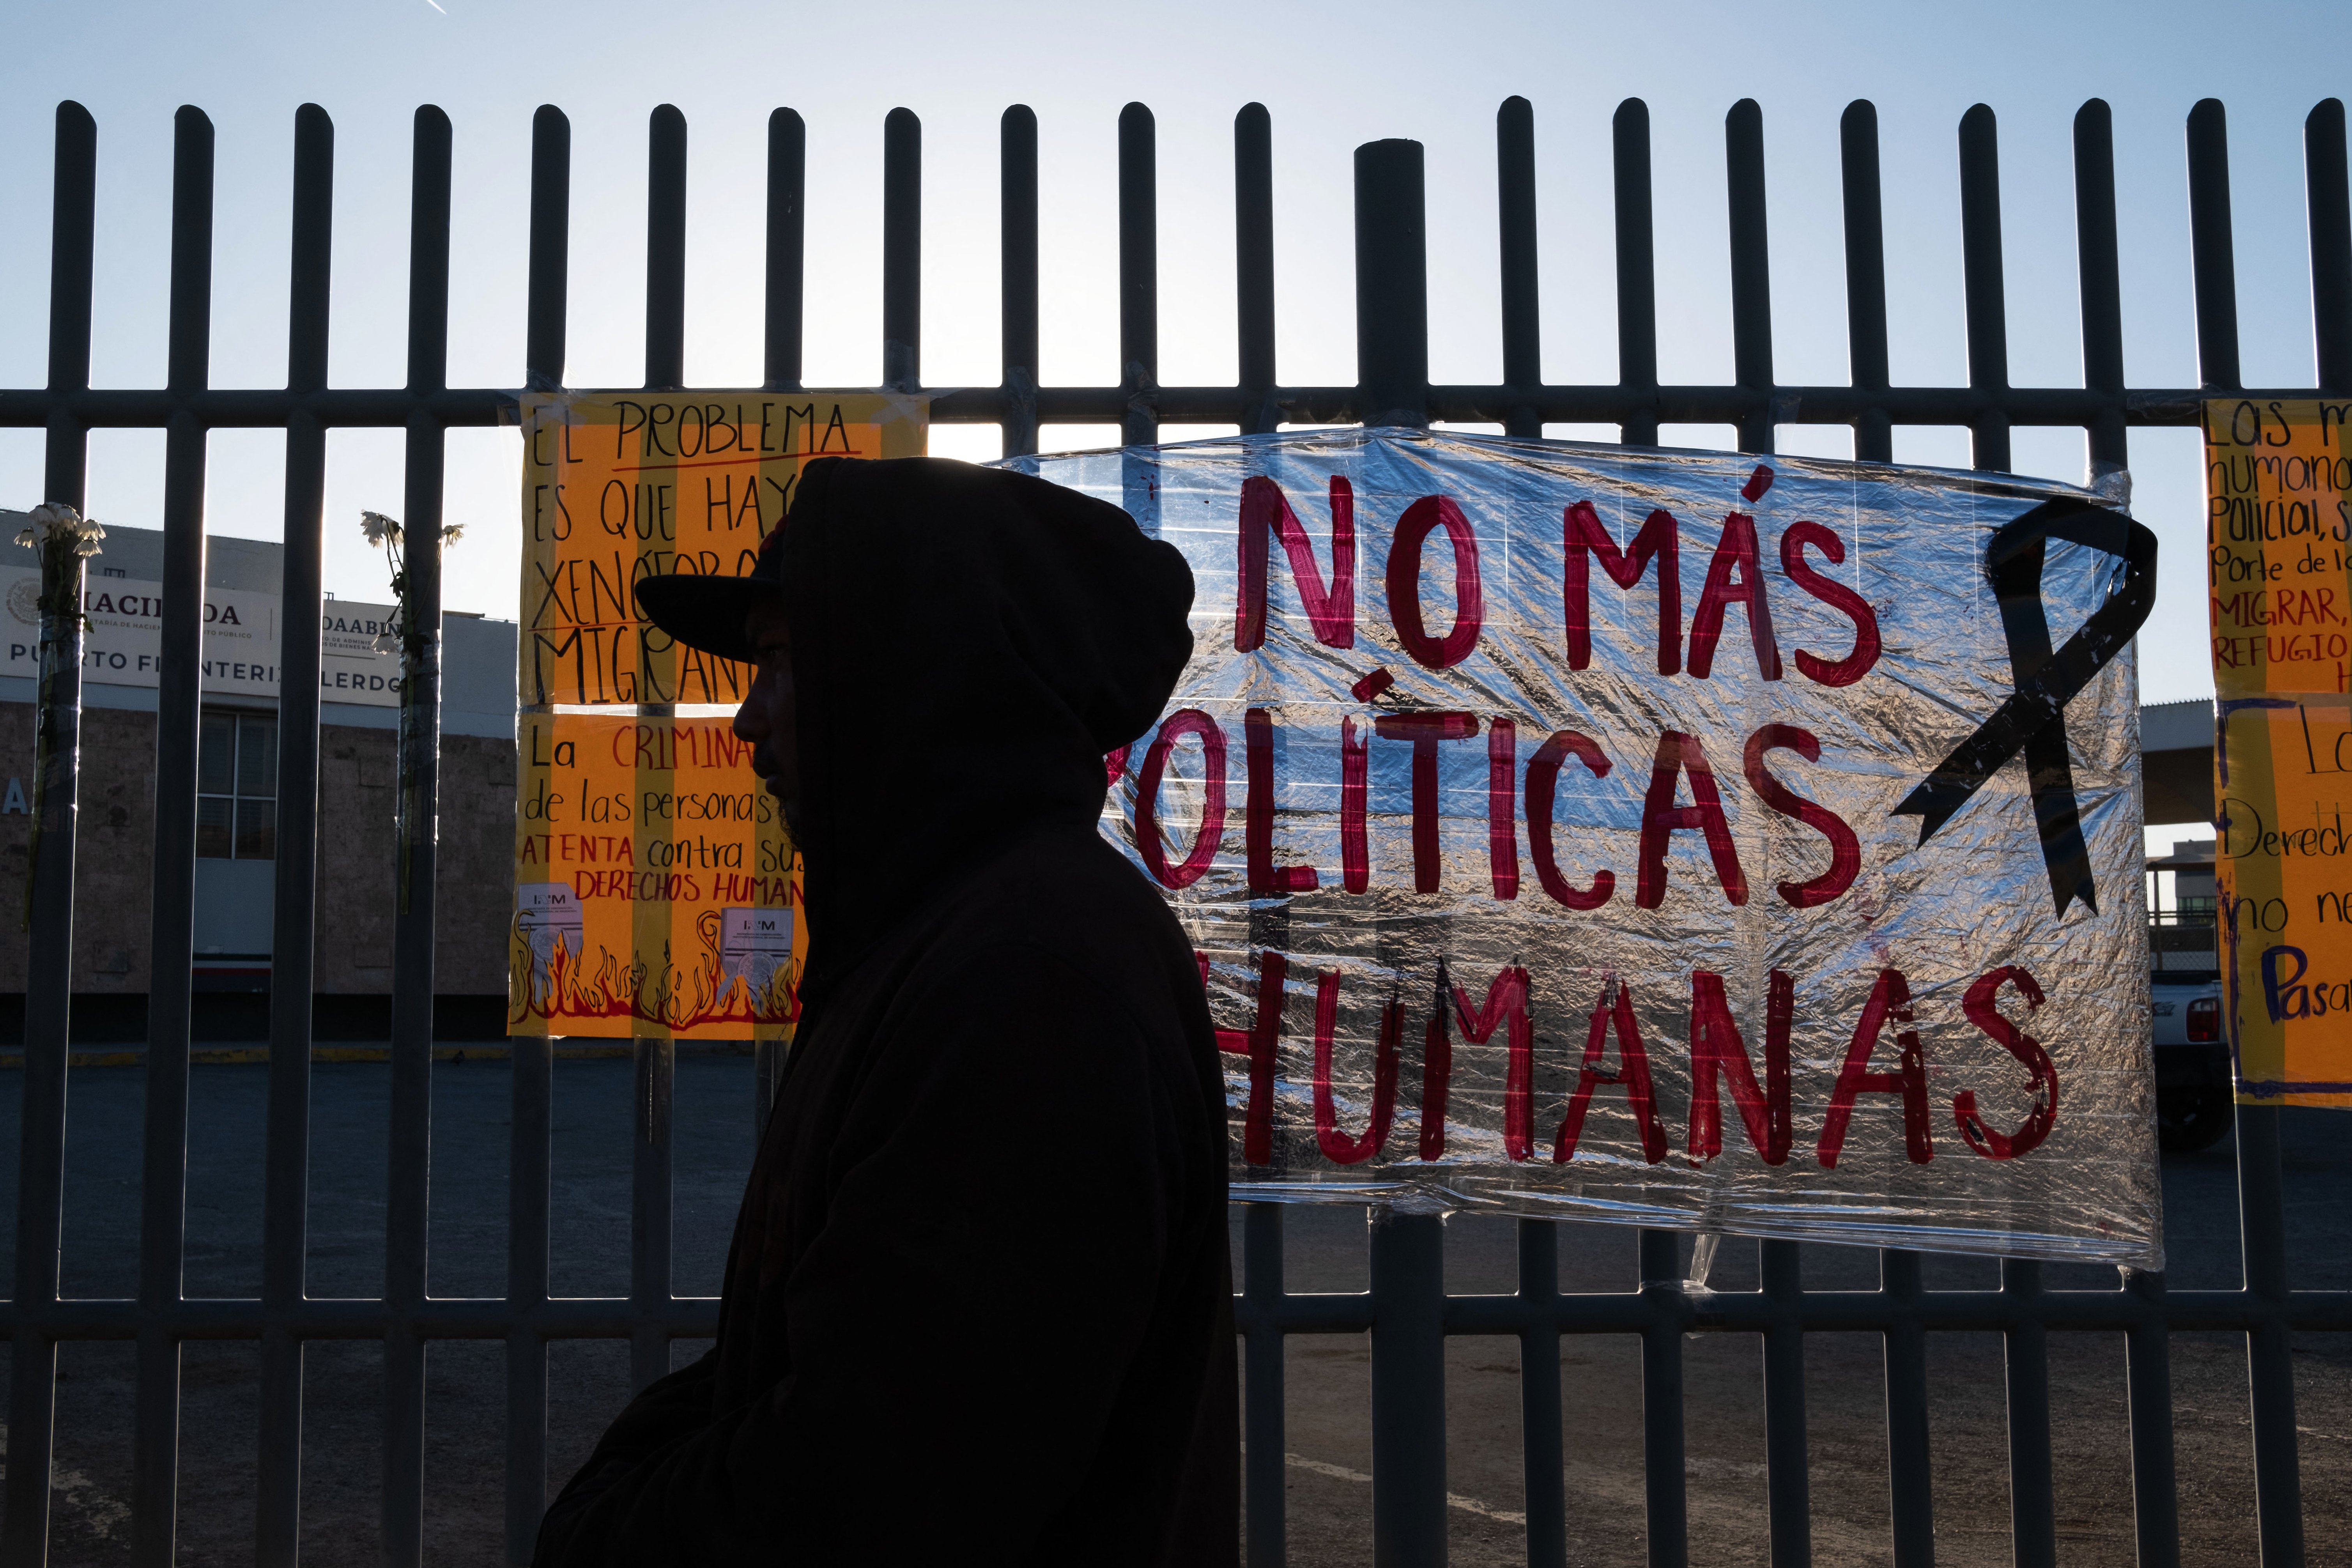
{"x":236,"y":809}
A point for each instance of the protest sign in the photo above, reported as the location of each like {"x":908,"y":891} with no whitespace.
{"x":619,"y":486}
{"x":1672,"y":838}
{"x":655,"y":889}
{"x":2279,"y":515}
{"x":124,"y":640}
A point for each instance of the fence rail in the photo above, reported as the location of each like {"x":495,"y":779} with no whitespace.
{"x":1406,"y":1311}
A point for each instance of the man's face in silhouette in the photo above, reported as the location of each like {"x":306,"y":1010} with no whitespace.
{"x":770,"y":713}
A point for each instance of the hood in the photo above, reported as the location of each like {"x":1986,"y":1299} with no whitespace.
{"x":967,"y":644}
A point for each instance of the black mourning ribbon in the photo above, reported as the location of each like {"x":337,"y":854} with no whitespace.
{"x":2034,"y":718}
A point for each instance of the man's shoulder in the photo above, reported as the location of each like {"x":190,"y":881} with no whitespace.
{"x":1063,"y":889}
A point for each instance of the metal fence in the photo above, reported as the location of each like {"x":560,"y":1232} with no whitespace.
{"x":1407,"y":1311}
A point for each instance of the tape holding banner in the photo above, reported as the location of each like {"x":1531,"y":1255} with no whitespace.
{"x":2279,"y":510}
{"x":1777,"y":877}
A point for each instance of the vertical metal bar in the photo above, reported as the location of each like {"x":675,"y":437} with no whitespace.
{"x":786,"y":258}
{"x":1515,"y":180}
{"x":902,"y":251}
{"x":1911,"y":1498}
{"x":1788,"y":1484}
{"x":1017,"y":230}
{"x":531,"y":1112}
{"x":767,"y":1059}
{"x":2147,"y":1370}
{"x":649,"y":1228}
{"x":48,"y":974}
{"x":164,"y":1170}
{"x":2033,"y":1502}
{"x":1263,"y":1414}
{"x":1987,"y":308}
{"x":1637,"y":275}
{"x":286,"y":1202}
{"x":551,"y":247}
{"x":666,"y":250}
{"x":2102,"y":287}
{"x":1391,"y":286}
{"x":530,"y":1115}
{"x":2261,"y":1222}
{"x":1253,"y":265}
{"x":2212,"y":253}
{"x":1751,"y":272}
{"x":72,"y":245}
{"x":1664,"y":1488}
{"x":406,"y":1206}
{"x":1546,"y":1480}
{"x":1866,"y":276}
{"x":2262,"y":1218}
{"x":787,"y":220}
{"x":1408,"y":1374}
{"x":1139,"y":276}
{"x":2329,"y":200}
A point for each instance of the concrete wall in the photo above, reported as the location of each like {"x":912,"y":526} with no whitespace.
{"x":112,"y":911}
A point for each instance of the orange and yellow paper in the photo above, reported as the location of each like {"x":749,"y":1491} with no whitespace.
{"x":620,"y":487}
{"x":656,"y":893}
{"x":2279,"y":533}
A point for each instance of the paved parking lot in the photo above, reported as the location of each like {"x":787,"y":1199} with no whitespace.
{"x":1329,"y":1392}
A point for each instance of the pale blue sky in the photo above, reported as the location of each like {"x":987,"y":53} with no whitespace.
{"x":1331,"y":77}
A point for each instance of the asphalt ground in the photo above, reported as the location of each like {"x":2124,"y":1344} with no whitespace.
{"x":1328,"y":1377}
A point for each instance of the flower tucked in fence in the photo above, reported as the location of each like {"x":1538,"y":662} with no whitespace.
{"x":407,"y":636}
{"x":64,"y":540}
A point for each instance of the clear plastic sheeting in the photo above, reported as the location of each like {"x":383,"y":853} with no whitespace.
{"x":1533,"y":807}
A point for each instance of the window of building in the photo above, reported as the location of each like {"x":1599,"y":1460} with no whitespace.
{"x":236,"y":787}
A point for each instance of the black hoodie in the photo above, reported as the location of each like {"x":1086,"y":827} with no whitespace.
{"x":978,"y":1306}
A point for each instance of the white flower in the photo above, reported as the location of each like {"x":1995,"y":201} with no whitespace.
{"x":379,"y":528}
{"x":56,"y":523}
{"x":452,"y":534}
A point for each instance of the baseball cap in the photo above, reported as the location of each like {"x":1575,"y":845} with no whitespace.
{"x":708,"y":612}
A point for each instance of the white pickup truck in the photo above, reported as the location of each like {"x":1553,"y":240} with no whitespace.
{"x":2193,"y":1100}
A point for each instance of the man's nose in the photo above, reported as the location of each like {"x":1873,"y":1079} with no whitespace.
{"x":748,"y":724}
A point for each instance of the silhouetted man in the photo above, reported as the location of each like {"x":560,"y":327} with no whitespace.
{"x":978,"y":1304}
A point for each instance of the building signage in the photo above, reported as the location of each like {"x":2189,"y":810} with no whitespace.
{"x":2279,"y":517}
{"x":125,"y":639}
{"x":1672,"y":838}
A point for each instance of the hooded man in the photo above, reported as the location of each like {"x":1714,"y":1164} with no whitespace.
{"x":978,"y":1306}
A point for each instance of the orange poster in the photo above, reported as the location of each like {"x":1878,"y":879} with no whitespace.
{"x":621,"y":486}
{"x":657,"y":894}
{"x":2279,"y":530}
{"x":655,"y":891}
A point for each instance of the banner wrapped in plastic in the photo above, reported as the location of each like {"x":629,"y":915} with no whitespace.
{"x":1665,"y":838}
